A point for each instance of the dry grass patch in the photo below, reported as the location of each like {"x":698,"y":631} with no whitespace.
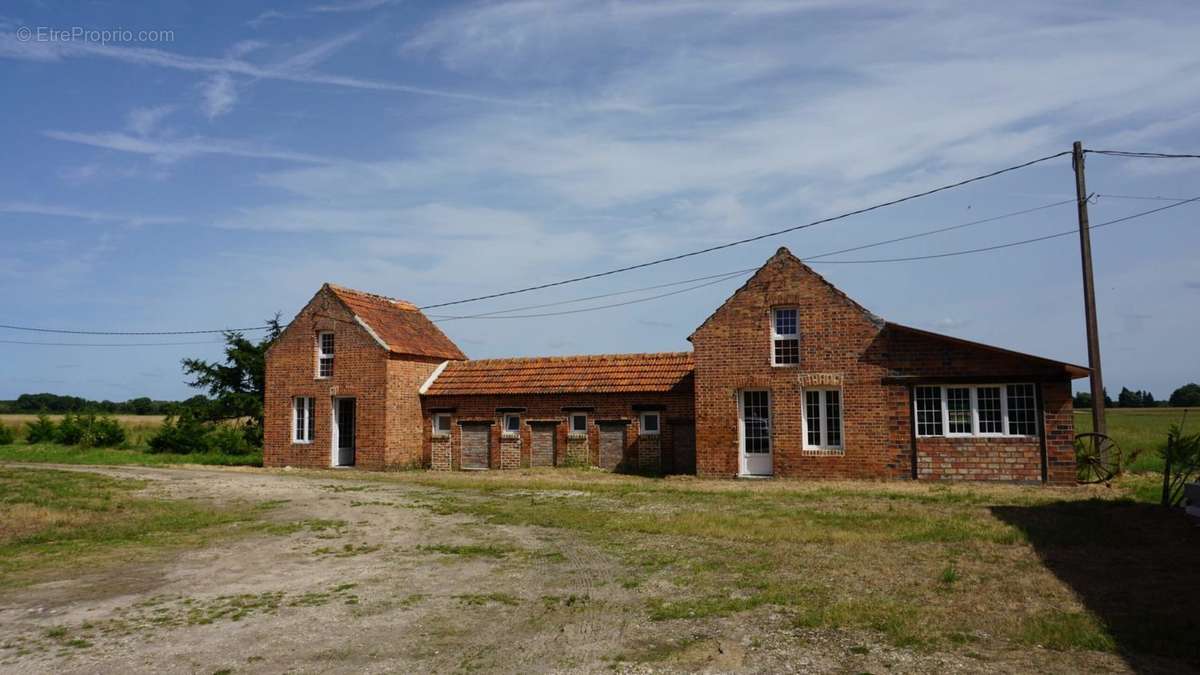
{"x":52,"y":518}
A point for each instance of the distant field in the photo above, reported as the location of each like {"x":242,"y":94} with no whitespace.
{"x":139,"y":428}
{"x":1142,"y":429}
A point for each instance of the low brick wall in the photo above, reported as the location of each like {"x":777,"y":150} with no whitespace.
{"x":998,"y":459}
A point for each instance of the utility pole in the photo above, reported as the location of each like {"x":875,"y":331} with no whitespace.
{"x":1089,"y":294}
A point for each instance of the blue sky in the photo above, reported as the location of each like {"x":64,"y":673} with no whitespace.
{"x":432,"y":151}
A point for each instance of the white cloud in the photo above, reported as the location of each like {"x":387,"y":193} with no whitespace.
{"x":144,"y":121}
{"x":219,"y":94}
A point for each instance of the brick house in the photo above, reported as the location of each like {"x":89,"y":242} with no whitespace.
{"x":788,"y":377}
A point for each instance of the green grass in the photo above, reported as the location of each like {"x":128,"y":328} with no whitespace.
{"x":51,"y":519}
{"x":1141,"y":430}
{"x":53,"y":453}
{"x":908,"y":562}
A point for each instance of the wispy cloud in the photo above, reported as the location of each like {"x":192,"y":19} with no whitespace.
{"x":219,"y":94}
{"x":144,"y":121}
{"x":173,"y":149}
{"x":342,"y":7}
{"x":93,"y":215}
{"x":10,"y":47}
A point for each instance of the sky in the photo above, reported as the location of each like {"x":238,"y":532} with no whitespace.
{"x":198,"y":165}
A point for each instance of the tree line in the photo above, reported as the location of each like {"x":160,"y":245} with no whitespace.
{"x":58,"y":404}
{"x":1186,"y":396}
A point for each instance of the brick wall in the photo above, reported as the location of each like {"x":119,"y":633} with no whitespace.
{"x":405,"y":421}
{"x":388,"y":408}
{"x":641,"y":452}
{"x":843,"y":346}
{"x":360,"y":371}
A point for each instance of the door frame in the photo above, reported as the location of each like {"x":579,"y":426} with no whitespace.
{"x":769,"y":460}
{"x":336,"y":432}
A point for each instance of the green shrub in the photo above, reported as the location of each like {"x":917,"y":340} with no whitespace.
{"x":42,"y":430}
{"x":89,"y":431}
{"x":228,"y":440}
{"x":6,"y":435}
{"x":182,"y":434}
{"x":105,"y":432}
{"x":70,"y":430}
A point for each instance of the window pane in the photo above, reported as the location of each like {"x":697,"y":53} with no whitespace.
{"x":512,"y":423}
{"x":787,"y":351}
{"x":991,"y":420}
{"x":579,"y":423}
{"x":650,"y":422}
{"x":958,"y":409}
{"x":327,"y":343}
{"x":298,"y":432}
{"x":785,"y":322}
{"x":833,"y":418}
{"x":1022,"y":410}
{"x":312,"y":418}
{"x":757,"y":421}
{"x":929,"y":411}
{"x":812,"y":417}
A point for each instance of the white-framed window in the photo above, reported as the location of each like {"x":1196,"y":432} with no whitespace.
{"x":785,"y":336}
{"x":823,"y":421}
{"x":304,"y":419}
{"x":441,"y":424}
{"x":325,"y":354}
{"x":976,"y":410}
{"x":578,"y":424}
{"x":512,"y":424}
{"x":650,"y":424}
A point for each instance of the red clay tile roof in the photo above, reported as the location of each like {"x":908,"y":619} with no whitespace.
{"x":601,"y":373}
{"x":399,"y":324}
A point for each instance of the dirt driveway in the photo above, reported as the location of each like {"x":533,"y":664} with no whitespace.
{"x":360,"y":576}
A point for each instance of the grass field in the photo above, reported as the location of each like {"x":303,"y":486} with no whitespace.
{"x":1141,"y":430}
{"x":926,"y":566}
{"x":52,"y":519}
{"x":138,"y":428}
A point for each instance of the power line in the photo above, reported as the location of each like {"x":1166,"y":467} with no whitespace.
{"x":151,"y":332}
{"x":926,"y":233}
{"x":484,"y":315}
{"x":748,"y":240}
{"x":1142,"y":155}
{"x":109,"y":344}
{"x":1011,"y":243}
{"x":724,"y":277}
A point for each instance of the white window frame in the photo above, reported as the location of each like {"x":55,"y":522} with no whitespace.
{"x":657,"y":423}
{"x":776,"y":335}
{"x":571,"y":431}
{"x":309,"y":428}
{"x":511,"y":433}
{"x":321,"y":355}
{"x":824,"y":447}
{"x":974,"y":402}
{"x":437,"y":428}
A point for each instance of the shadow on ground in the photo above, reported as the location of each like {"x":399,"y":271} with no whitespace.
{"x":1134,"y":565}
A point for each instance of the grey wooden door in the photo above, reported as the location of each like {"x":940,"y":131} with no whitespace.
{"x":612,"y":444}
{"x":476,"y":439}
{"x":543,"y":437}
{"x":684,"y":456}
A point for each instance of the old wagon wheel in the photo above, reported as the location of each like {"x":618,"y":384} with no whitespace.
{"x":1097,"y":458}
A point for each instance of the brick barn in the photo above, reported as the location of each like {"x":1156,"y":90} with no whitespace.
{"x":789,"y":377}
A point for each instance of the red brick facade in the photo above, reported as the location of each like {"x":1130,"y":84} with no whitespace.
{"x":383,"y":384}
{"x":873,"y":366}
{"x":648,"y":453}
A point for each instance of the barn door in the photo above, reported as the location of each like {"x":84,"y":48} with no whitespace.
{"x":612,"y":444}
{"x":543,"y":437}
{"x":475,"y":441}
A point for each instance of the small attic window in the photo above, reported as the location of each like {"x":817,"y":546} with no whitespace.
{"x":325,"y":354}
{"x":785,"y":336}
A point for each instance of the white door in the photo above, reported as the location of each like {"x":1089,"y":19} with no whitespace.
{"x":754,"y":433}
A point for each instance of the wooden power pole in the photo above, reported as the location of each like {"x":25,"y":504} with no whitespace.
{"x":1089,"y":294}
